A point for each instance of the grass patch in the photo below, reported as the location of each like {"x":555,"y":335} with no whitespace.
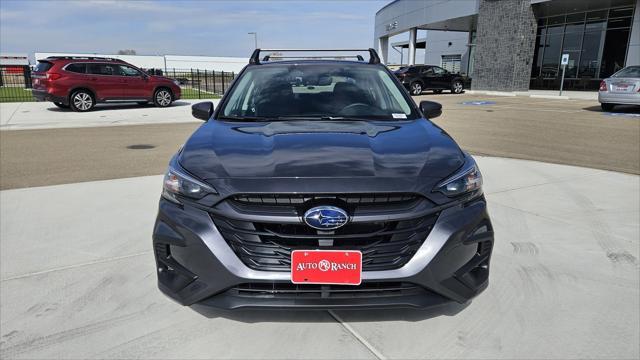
{"x":189,"y":93}
{"x":15,"y":94}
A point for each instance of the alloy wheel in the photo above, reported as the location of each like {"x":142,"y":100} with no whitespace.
{"x":82,"y":101}
{"x":416,"y":89}
{"x":163,"y":97}
{"x":457,"y":87}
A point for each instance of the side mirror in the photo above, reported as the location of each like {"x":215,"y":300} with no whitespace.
{"x":430,"y":109}
{"x":202,"y":110}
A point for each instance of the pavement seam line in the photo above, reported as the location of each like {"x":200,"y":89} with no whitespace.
{"x":96,"y":262}
{"x":358,"y":337}
{"x":13,"y":113}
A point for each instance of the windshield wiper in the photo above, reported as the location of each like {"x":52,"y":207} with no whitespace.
{"x":323,"y":117}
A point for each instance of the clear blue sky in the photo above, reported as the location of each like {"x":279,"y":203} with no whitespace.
{"x":215,"y":28}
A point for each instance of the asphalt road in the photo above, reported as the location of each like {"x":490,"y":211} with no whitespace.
{"x":573,"y":132}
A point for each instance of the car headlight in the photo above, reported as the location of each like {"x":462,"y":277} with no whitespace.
{"x":177,"y":183}
{"x":176,"y":82}
{"x":468,"y":180}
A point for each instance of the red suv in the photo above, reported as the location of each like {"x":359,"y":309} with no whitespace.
{"x":82,"y":82}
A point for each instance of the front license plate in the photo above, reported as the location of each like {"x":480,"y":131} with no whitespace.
{"x":334,"y":267}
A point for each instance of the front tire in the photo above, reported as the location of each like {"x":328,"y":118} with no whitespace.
{"x":162,"y":97}
{"x":607,"y":106}
{"x":416,"y":88}
{"x":457,"y":87}
{"x":82,"y":101}
{"x":61,"y":105}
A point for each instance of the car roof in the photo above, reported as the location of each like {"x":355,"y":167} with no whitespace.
{"x":67,"y":59}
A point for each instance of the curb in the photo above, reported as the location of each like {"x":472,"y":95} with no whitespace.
{"x":527,"y":94}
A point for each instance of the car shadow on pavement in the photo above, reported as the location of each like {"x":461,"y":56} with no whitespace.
{"x":622,"y":109}
{"x":122,"y":106}
{"x":318,"y":316}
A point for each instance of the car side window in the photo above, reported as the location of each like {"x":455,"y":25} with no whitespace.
{"x":76,"y":68}
{"x":427,"y":71}
{"x":102,"y":69}
{"x":438,"y":70}
{"x":128,"y":71}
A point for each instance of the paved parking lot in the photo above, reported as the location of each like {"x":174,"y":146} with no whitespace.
{"x":72,"y":147}
{"x":78,"y":281}
{"x":77,"y":273}
{"x":574,"y":132}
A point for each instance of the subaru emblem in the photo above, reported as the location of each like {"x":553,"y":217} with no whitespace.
{"x":325,"y":217}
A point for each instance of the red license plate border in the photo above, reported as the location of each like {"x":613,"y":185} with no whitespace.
{"x":327,"y":283}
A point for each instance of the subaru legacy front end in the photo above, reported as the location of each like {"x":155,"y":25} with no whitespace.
{"x":320,"y":184}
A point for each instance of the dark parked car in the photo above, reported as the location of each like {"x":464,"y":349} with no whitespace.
{"x":320,"y":184}
{"x":418,"y":78}
{"x":82,"y":82}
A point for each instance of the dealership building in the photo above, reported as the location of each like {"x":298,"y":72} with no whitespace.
{"x":516,"y":45}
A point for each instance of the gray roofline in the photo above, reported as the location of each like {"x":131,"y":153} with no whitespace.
{"x":386,"y":6}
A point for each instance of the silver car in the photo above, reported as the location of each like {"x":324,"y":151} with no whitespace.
{"x":622,"y":88}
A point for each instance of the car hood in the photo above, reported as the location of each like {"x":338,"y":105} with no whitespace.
{"x":318,"y":149}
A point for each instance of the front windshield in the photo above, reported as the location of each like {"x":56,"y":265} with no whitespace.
{"x":629,"y":72}
{"x":317,"y":91}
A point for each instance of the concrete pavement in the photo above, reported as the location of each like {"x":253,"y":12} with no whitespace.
{"x":78,"y":281}
{"x":45,"y":115}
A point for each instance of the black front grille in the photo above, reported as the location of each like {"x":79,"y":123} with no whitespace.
{"x":351,"y":199}
{"x":385,"y":245}
{"x":289,"y":290}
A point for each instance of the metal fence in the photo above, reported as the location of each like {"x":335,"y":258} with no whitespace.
{"x":15,"y":83}
{"x":201,"y":84}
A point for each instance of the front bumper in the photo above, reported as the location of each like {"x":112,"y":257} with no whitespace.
{"x":196,"y":265}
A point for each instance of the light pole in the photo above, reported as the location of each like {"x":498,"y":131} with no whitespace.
{"x":255,"y":38}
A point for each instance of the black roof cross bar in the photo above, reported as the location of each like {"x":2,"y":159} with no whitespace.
{"x":255,"y":57}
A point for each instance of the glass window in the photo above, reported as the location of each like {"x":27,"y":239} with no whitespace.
{"x":595,"y":25}
{"x":596,"y":15}
{"x":572,"y":41}
{"x":128,"y":71}
{"x":317,"y":91}
{"x":551,"y":59}
{"x":573,"y":18}
{"x":621,"y":12}
{"x":590,"y":59}
{"x":102,"y":69}
{"x":628,"y":72}
{"x":613,"y":54}
{"x":539,"y":50}
{"x":619,"y":23}
{"x":439,"y":70}
{"x":76,"y":68}
{"x":43,"y":66}
{"x":556,"y":20}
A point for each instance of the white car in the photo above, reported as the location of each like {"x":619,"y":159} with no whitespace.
{"x":622,"y":88}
